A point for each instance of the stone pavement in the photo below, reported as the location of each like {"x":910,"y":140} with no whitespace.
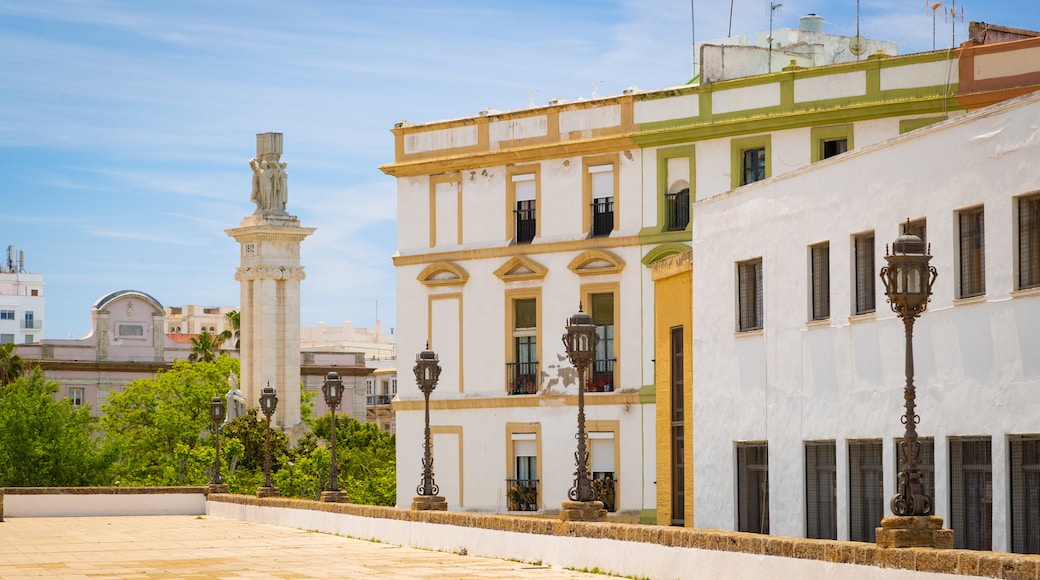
{"x":199,"y":547}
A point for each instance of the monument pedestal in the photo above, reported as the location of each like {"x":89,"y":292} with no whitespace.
{"x":334,"y":496}
{"x":262,"y":492}
{"x":429,"y":502}
{"x":217,"y":488}
{"x":914,"y":532}
{"x":583,"y":511}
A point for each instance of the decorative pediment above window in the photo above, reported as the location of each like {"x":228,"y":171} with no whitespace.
{"x":443,"y":274}
{"x":595,"y":262}
{"x":663,"y":251}
{"x":521,"y":268}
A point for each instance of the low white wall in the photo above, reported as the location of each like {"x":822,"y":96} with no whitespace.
{"x":638,"y":559}
{"x":102,"y":504}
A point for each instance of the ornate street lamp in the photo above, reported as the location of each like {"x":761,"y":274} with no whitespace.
{"x":216,"y":414}
{"x":908,"y":280}
{"x":333,"y":391}
{"x":427,"y":373}
{"x":268,"y":404}
{"x":908,"y":284}
{"x":580,"y":343}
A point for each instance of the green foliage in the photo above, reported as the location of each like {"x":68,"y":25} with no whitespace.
{"x":47,"y":442}
{"x":205,"y":347}
{"x":250,"y":433}
{"x":11,"y":365}
{"x":233,"y":330}
{"x":155,"y":425}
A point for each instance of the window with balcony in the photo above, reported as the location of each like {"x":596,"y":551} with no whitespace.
{"x":678,"y":205}
{"x":1025,"y":494}
{"x":820,"y":281}
{"x":972,"y":253}
{"x":602,"y":183}
{"x":525,"y":194}
{"x":753,"y":487}
{"x":971,"y":493}
{"x":864,"y":274}
{"x":522,"y":488}
{"x":821,"y":513}
{"x":866,"y":505}
{"x":601,"y":462}
{"x":1029,"y":241}
{"x":602,"y":312}
{"x":523,"y":371}
{"x":749,"y":295}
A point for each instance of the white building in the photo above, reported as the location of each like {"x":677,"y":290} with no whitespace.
{"x":799,"y":361}
{"x":375,"y":343}
{"x":21,"y":301}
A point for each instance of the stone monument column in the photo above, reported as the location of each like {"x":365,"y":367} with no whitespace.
{"x":269,"y":277}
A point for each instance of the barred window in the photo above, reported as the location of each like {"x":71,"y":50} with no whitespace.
{"x":866,"y":505}
{"x":821,"y":519}
{"x":1029,"y":241}
{"x":753,"y":487}
{"x":971,"y":493}
{"x":863,"y":282}
{"x":1025,"y":494}
{"x":820,"y":281}
{"x":753,"y":165}
{"x":749,"y":295}
{"x":972,"y":246}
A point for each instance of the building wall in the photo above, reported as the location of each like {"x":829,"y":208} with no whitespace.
{"x":22,"y":301}
{"x":796,"y":381}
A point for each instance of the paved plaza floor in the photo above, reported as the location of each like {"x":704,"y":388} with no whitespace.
{"x":198,"y":547}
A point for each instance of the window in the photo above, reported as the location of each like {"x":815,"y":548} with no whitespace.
{"x":602,"y":179}
{"x":34,"y":292}
{"x":832,"y":147}
{"x":30,"y":321}
{"x":525,"y":194}
{"x":866,"y":506}
{"x":971,"y":493}
{"x":76,"y":396}
{"x":820,"y":281}
{"x":678,"y":429}
{"x":749,"y":295}
{"x":753,"y":487}
{"x":1029,"y":241}
{"x":830,"y":141}
{"x":821,"y":517}
{"x":30,"y":338}
{"x":1025,"y":494}
{"x":6,"y":338}
{"x":601,"y":464}
{"x":370,"y":386}
{"x":6,"y":314}
{"x":675,"y":182}
{"x":678,"y":204}
{"x":523,"y":371}
{"x":385,"y":384}
{"x":522,"y":486}
{"x":972,"y":253}
{"x":602,"y":312}
{"x":925,"y":465}
{"x":753,"y":165}
{"x":863,"y":275}
{"x":393,"y":387}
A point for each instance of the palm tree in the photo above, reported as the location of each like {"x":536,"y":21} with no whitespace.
{"x":204,"y":347}
{"x":11,"y":365}
{"x":233,"y":328}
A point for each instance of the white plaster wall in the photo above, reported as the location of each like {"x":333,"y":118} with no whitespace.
{"x":100,"y":504}
{"x":755,"y":97}
{"x":791,"y":150}
{"x":590,"y":118}
{"x":834,"y":86}
{"x":465,"y":136}
{"x":636,"y":559}
{"x":522,"y":128}
{"x":667,"y":109}
{"x":628,"y":198}
{"x":413,"y":214}
{"x":561,"y":186}
{"x":975,"y":361}
{"x":913,"y":76}
{"x":484,"y":209}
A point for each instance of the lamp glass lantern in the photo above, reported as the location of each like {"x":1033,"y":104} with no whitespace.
{"x":217,"y":410}
{"x":427,"y":369}
{"x":268,"y":400}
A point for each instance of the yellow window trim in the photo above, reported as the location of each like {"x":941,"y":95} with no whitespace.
{"x":579,"y":263}
{"x":427,"y":276}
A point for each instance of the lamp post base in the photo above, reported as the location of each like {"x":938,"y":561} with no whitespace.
{"x":583,"y":511}
{"x":914,"y":532}
{"x":334,"y":496}
{"x":264,"y":491}
{"x":217,"y":488}
{"x":430,"y":502}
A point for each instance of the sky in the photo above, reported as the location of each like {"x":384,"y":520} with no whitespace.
{"x":126,"y":127}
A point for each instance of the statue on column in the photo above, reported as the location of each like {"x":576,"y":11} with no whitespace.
{"x":270,"y":181}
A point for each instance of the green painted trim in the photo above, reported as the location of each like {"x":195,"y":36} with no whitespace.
{"x":648,"y":516}
{"x":907,"y":125}
{"x":654,"y":235}
{"x":787,"y":93}
{"x":663,"y":251}
{"x":818,"y":135}
{"x":737,"y":147}
{"x":648,"y":394}
{"x":663,"y":155}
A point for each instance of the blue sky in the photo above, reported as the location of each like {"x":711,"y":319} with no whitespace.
{"x":126,"y":127}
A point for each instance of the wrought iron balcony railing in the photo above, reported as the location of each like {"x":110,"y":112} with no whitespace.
{"x":678,"y":205}
{"x":602,"y":216}
{"x":602,"y":378}
{"x":525,"y":225}
{"x":376,"y":400}
{"x":522,"y":377}
{"x":522,"y":495}
{"x":604,"y":489}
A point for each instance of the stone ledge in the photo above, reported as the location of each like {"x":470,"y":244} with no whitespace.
{"x":963,"y":562}
{"x":103,"y":490}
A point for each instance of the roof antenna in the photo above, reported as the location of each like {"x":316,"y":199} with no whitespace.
{"x":693,"y":38}
{"x":952,"y":14}
{"x":595,"y":89}
{"x":772,"y":8}
{"x":531,"y":93}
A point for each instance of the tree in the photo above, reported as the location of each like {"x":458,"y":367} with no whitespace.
{"x":47,"y":442}
{"x":11,"y":365}
{"x":155,"y":426}
{"x":233,"y":329}
{"x":205,"y":347}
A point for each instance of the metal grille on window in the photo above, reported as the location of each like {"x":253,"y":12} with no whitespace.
{"x":820,"y":258}
{"x":972,"y":253}
{"x":1029,"y":241}
{"x":971,"y":494}
{"x":602,"y":199}
{"x":821,"y":518}
{"x":925,"y":465}
{"x":678,"y":428}
{"x":754,"y":165}
{"x":525,"y":207}
{"x":602,"y":311}
{"x":1025,"y":495}
{"x":678,"y":209}
{"x":522,"y":373}
{"x":749,"y":281}
{"x":865,"y":276}
{"x":866,"y":505}
{"x":753,"y":488}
